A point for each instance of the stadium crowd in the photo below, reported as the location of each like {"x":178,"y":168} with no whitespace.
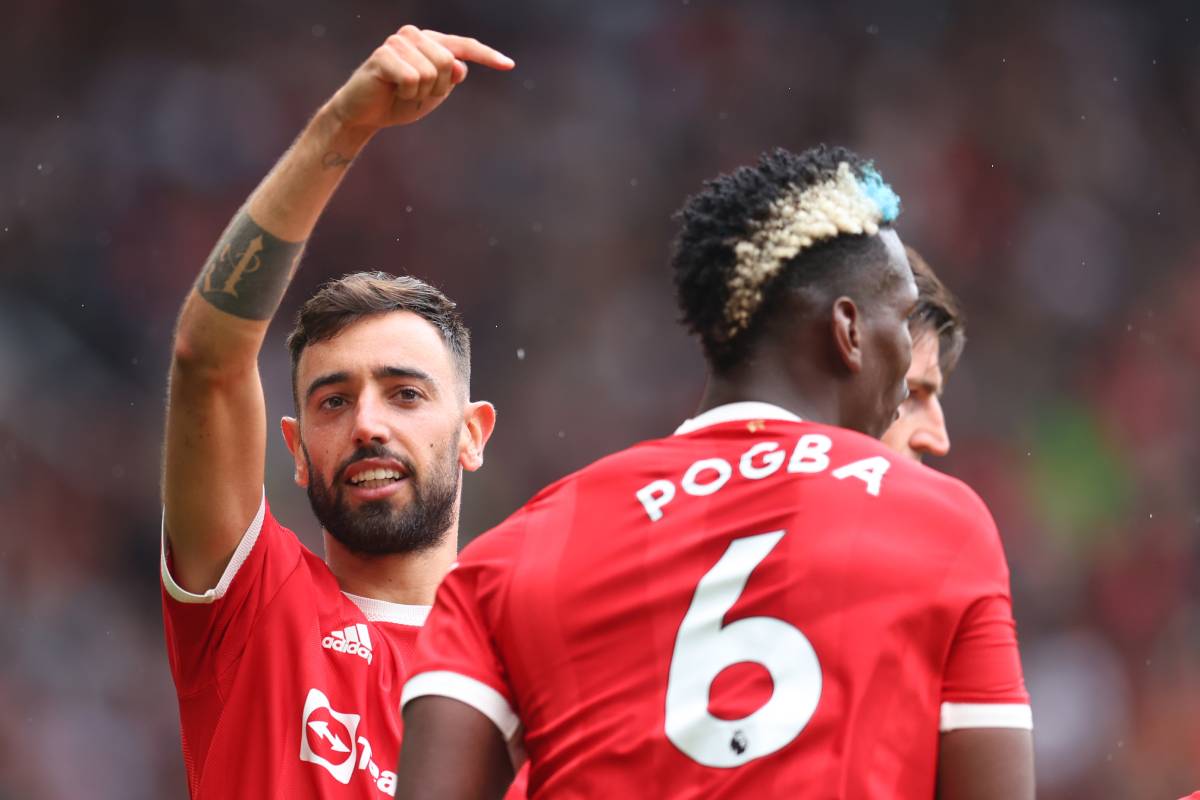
{"x":1046,"y":156}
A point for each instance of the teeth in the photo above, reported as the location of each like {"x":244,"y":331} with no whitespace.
{"x":375,"y":475}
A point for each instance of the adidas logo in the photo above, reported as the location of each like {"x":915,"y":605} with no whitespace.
{"x":353,"y":639}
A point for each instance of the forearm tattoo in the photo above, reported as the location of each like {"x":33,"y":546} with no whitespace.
{"x":248,"y":270}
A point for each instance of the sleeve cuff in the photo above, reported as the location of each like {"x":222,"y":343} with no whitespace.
{"x":986,"y":715}
{"x":476,"y":694}
{"x":239,"y":557}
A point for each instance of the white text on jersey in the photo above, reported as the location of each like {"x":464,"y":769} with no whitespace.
{"x":762,"y":460}
{"x":353,"y":640}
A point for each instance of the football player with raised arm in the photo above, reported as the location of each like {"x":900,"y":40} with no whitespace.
{"x":769,"y":603}
{"x":288,"y":667}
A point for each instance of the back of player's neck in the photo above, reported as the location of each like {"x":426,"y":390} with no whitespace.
{"x":722,"y":391}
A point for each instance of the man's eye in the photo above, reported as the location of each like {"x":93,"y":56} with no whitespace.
{"x":333,"y":401}
{"x":408,"y":394}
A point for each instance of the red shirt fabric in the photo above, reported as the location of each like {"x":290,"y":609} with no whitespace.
{"x":756,"y":606}
{"x":288,"y":687}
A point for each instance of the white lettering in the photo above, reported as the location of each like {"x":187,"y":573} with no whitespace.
{"x":654,"y":496}
{"x":387,"y":782}
{"x":762,"y":460}
{"x":717,"y":465}
{"x":349,"y":648}
{"x":869,"y":470}
{"x":384,"y":780}
{"x":772,"y":461}
{"x":810,"y":454}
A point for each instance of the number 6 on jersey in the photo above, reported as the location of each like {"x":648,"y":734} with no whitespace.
{"x":704,"y":648}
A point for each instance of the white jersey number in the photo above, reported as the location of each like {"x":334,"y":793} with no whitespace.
{"x":703,"y":649}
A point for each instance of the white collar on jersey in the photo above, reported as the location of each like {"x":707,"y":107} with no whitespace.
{"x":384,"y":611}
{"x":736,"y":412}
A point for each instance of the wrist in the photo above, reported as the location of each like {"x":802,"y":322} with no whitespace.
{"x":340,"y":136}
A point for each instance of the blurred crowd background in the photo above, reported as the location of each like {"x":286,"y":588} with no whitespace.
{"x":1046,"y":152}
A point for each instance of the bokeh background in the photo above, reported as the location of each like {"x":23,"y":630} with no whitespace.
{"x":1047,"y":156}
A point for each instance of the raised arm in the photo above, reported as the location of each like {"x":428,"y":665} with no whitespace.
{"x":216,"y":415}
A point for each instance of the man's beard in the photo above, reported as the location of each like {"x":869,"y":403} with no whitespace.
{"x":378,"y":527}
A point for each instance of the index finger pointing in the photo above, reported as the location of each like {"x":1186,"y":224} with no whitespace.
{"x":468,"y":49}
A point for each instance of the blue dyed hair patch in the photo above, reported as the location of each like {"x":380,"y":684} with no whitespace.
{"x":884,"y":197}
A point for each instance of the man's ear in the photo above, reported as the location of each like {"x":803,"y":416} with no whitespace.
{"x":479,"y":419}
{"x":290,"y":427}
{"x":846,"y":323}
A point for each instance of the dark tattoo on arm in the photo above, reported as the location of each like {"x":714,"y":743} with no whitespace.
{"x":248,"y":270}
{"x":332,"y":160}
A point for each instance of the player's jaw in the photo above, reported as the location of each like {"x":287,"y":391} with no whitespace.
{"x":887,"y":386}
{"x":888,"y":337}
{"x":380,"y":502}
{"x":888,"y":411}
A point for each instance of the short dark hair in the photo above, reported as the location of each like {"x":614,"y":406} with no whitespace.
{"x":727,"y":211}
{"x":344,"y":301}
{"x":938,"y":312}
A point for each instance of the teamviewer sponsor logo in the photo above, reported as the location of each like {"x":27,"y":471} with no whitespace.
{"x":330,"y":739}
{"x":327,"y":736}
{"x":354,"y":640}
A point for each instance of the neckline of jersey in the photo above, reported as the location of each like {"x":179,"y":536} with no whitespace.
{"x":736,"y":412}
{"x":385,"y":611}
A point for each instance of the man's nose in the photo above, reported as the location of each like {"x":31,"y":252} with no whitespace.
{"x":930,"y":436}
{"x":370,"y":421}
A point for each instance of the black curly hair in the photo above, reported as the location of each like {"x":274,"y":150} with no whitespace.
{"x":725,"y":212}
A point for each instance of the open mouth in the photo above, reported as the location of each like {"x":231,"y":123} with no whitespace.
{"x":375,"y":478}
{"x":374,"y":474}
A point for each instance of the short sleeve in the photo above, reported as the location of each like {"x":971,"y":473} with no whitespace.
{"x":207,"y":632}
{"x":456,"y":655}
{"x":982,"y":682}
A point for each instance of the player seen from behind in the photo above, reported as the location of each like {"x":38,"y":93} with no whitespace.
{"x":769,"y":603}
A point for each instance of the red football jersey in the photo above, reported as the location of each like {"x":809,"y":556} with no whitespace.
{"x":287,"y":686}
{"x":756,"y":606}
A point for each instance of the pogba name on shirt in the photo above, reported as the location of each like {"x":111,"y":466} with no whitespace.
{"x":755,"y":604}
{"x":809,"y":456}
